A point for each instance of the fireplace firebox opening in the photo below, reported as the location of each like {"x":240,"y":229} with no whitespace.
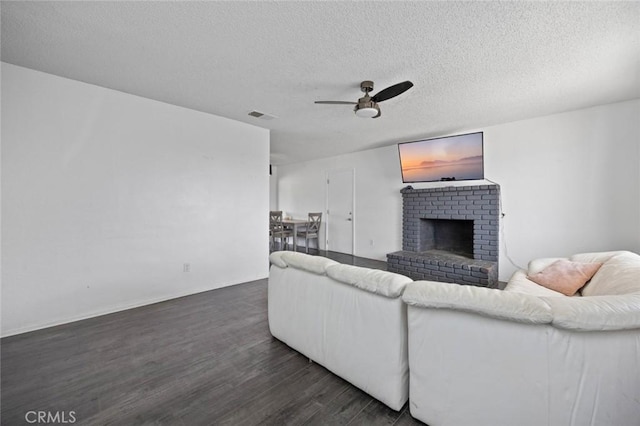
{"x":453,"y":236}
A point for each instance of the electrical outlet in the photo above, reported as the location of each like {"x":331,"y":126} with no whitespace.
{"x":186,"y":267}
{"x":371,"y":242}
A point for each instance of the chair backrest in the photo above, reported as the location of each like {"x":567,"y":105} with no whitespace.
{"x":275,"y":220}
{"x":313,"y":224}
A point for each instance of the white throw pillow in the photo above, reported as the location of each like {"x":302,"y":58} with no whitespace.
{"x":618,"y":275}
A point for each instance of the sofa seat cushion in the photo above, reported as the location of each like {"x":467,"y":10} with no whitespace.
{"x":375,"y":281}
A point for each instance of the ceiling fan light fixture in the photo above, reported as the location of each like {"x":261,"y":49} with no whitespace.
{"x":367,"y":112}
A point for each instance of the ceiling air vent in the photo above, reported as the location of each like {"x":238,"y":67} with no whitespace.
{"x":262,"y":115}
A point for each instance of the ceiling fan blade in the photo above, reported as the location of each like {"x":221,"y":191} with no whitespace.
{"x":379,"y":114}
{"x":392,"y":91}
{"x":336,"y":102}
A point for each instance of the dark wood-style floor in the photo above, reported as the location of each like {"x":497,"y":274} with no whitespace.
{"x":206,"y":359}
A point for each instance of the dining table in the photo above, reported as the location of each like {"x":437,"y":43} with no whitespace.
{"x":294,"y":224}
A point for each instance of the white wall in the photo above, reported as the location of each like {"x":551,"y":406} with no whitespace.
{"x":570,"y":183}
{"x":106,"y":195}
{"x":302,"y":188}
{"x":273,"y":188}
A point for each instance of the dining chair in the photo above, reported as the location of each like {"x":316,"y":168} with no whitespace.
{"x":277,"y":229}
{"x":311,"y":230}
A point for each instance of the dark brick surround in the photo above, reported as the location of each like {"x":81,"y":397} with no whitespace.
{"x":479,"y":204}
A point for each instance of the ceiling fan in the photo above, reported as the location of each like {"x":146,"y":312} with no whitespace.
{"x":367,"y":106}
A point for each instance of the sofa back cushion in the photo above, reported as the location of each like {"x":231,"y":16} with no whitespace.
{"x":596,"y":313}
{"x":384,"y":283}
{"x":618,"y":275}
{"x":601,"y":256}
{"x":493,"y":303}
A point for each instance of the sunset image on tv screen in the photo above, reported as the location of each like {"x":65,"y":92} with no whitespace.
{"x":443,"y":159}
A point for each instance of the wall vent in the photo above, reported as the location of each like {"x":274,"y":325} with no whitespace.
{"x":262,"y":115}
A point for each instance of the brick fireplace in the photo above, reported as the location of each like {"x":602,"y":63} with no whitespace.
{"x":449,"y":234}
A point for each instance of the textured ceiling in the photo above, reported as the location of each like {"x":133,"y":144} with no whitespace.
{"x":473,"y":64}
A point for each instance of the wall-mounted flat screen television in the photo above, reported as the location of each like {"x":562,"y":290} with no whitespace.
{"x":448,"y":158}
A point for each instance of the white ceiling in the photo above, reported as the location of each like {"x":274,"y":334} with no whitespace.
{"x":473,"y":64}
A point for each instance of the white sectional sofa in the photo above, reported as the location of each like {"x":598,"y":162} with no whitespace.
{"x":349,"y":319}
{"x":528,"y":355}
{"x":468,"y":355}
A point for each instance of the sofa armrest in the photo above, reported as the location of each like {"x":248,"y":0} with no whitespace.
{"x":275,"y":258}
{"x":488,"y":302}
{"x":315,"y":264}
{"x":595,"y":313}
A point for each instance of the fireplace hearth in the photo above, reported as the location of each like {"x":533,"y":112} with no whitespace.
{"x":449,"y":234}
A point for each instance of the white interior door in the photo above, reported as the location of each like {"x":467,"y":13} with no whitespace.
{"x":340,"y":212}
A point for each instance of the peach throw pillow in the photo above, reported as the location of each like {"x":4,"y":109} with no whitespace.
{"x":565,"y":276}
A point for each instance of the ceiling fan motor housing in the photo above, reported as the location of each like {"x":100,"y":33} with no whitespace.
{"x":366,"y":86}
